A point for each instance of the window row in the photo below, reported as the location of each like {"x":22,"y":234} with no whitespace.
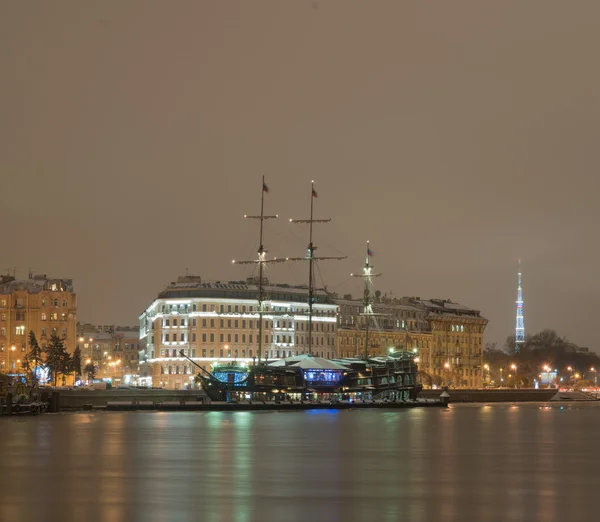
{"x":20,"y":331}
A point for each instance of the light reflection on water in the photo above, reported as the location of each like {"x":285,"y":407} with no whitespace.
{"x":470,"y":462}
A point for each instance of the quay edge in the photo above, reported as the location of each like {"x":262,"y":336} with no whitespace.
{"x":493,"y":395}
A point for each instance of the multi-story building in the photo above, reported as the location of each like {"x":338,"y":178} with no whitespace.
{"x":40,"y":304}
{"x":113,"y":349}
{"x":395,"y":327}
{"x":456,"y":353}
{"x":447,"y":336}
{"x":212,"y":321}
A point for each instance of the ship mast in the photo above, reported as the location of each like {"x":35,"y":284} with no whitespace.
{"x":261,"y":261}
{"x":310,"y":257}
{"x":367,"y":275}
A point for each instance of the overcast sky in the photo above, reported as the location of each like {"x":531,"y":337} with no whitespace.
{"x":455,"y":136}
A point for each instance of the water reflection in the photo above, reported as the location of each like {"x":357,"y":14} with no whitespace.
{"x":471,"y":462}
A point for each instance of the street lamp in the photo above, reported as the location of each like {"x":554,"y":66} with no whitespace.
{"x":570,"y":368}
{"x":592,"y":369}
{"x":501,"y":378}
{"x":12,"y":348}
{"x":514,"y":368}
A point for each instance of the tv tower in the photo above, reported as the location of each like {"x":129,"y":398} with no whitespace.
{"x":520,"y":329}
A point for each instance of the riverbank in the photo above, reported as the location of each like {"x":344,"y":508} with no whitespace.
{"x":197,"y":400}
{"x":494,"y":395}
{"x":272,"y":406}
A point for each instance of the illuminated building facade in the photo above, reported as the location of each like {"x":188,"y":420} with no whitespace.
{"x":394,"y":327}
{"x":219,"y":321}
{"x":39,"y":304}
{"x":447,"y":336}
{"x":114,"y":350}
{"x":456,"y":353}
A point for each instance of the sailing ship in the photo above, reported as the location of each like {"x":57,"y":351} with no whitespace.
{"x":393,"y":376}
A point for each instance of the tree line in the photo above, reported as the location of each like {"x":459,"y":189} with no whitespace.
{"x":543,"y":348}
{"x":56,"y":359}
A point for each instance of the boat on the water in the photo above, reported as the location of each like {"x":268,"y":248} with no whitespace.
{"x":306,"y":376}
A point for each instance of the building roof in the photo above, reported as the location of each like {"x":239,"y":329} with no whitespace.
{"x":193,"y":286}
{"x":34,"y":285}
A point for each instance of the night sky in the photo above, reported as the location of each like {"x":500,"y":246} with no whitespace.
{"x":455,"y":136}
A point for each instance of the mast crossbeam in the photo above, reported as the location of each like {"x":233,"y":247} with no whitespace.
{"x":310,"y":220}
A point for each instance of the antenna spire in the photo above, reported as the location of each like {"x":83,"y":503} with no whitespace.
{"x":520,"y":325}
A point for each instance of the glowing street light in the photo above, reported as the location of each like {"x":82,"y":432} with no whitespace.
{"x":570,"y":368}
{"x":514,"y":369}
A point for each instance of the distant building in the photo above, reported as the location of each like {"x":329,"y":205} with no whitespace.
{"x":457,"y":348}
{"x":113,"y":349}
{"x":218,"y":321}
{"x":395,"y":327}
{"x":212,"y":321}
{"x":39,"y":304}
{"x":447,"y":336}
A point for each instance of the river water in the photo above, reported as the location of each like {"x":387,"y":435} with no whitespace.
{"x":468,"y":463}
